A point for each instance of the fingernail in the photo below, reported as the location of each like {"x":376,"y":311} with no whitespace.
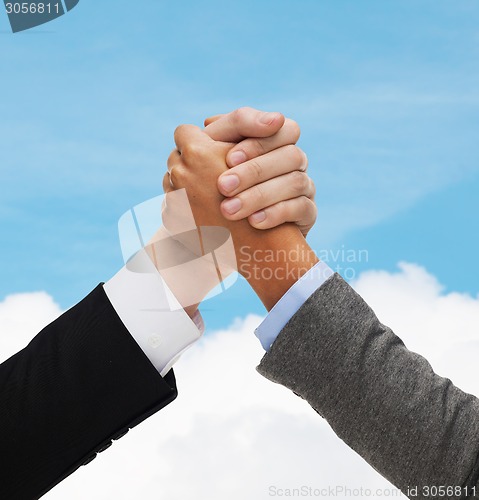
{"x":229,"y":182}
{"x":232,"y":206}
{"x":267,"y":118}
{"x":237,"y":157}
{"x":258,"y":217}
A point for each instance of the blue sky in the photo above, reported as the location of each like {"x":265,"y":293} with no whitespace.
{"x":386,"y":94}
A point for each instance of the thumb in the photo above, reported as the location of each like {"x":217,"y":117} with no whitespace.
{"x":212,"y":119}
{"x":242,"y":123}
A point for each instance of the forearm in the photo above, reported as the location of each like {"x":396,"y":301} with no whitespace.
{"x":415,"y":427}
{"x":184,"y":261}
{"x":273,"y":261}
{"x":81,"y":382}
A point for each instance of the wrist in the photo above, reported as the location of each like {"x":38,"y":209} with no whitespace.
{"x":273,"y":261}
{"x":189,"y":273}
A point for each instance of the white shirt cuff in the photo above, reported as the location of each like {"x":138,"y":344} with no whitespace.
{"x":143,"y":302}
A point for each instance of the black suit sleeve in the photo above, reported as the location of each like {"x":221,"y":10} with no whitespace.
{"x":81,"y":382}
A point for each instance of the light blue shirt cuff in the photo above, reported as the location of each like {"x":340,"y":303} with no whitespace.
{"x":290,"y":303}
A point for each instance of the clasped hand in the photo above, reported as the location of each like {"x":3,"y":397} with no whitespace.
{"x":242,"y":172}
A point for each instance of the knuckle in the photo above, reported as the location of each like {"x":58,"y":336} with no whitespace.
{"x":293,"y":130}
{"x":178,"y":176}
{"x":240,"y":114}
{"x":302,"y":159}
{"x":182,"y":135}
{"x":279,"y":212}
{"x":258,"y":147}
{"x":192,"y":151}
{"x":312,"y":187}
{"x":172,"y":157}
{"x":255,"y":169}
{"x":258,"y":196}
{"x":179,"y":131}
{"x":166,"y":182}
{"x":309,"y":209}
{"x":296,"y":155}
{"x":299,"y":182}
{"x":305,"y":163}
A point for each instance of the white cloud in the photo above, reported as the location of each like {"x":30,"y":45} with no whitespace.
{"x":233,"y":434}
{"x":21,"y":316}
{"x":441,"y":327}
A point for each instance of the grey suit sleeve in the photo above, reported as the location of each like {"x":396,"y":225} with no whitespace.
{"x":413,"y":426}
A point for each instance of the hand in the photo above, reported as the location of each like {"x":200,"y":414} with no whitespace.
{"x":195,"y":166}
{"x":267,"y":180}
